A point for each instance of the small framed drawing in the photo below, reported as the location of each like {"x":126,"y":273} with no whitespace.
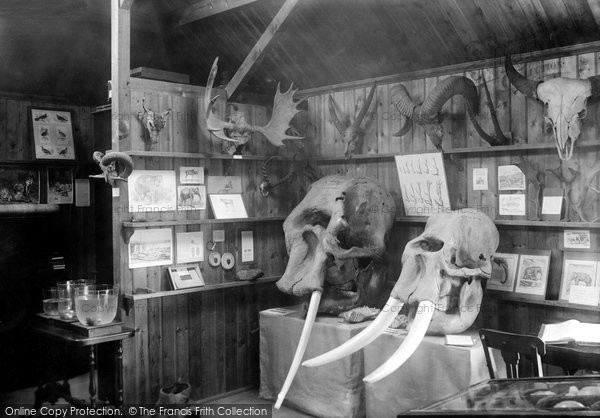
{"x":191,"y":197}
{"x":191,"y":175}
{"x":532,"y":273}
{"x":186,"y":275}
{"x":60,"y":186}
{"x":52,"y":132}
{"x":228,"y":206}
{"x":579,"y":270}
{"x":504,"y":271}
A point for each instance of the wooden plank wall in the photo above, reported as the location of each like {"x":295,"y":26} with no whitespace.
{"x":517,"y":114}
{"x":16,"y":144}
{"x":209,"y":338}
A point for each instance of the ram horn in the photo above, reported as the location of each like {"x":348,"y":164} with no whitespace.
{"x":447,"y":88}
{"x":404,"y":105}
{"x":363,"y":111}
{"x":523,"y":84}
{"x":123,"y":163}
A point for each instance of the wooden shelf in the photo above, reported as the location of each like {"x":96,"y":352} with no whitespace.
{"x":15,"y":210}
{"x":513,"y":297}
{"x":469,"y":150}
{"x":509,"y":222}
{"x":206,"y":288}
{"x":153,"y":224}
{"x":42,"y":163}
{"x":194,"y":155}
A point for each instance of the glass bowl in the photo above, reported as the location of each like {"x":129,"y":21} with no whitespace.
{"x":96,"y":304}
{"x":50,"y":301}
{"x":66,"y":294}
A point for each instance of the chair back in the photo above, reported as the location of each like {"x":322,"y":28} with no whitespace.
{"x":512,"y":346}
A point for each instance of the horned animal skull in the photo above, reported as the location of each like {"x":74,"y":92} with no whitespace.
{"x":115,"y":166}
{"x":565,"y":101}
{"x":153,"y":122}
{"x":342,"y":221}
{"x":440,"y":284}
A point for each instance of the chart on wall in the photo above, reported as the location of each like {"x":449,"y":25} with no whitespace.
{"x":423,"y":184}
{"x":52,"y":134}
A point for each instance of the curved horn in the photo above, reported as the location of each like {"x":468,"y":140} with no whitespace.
{"x":447,"y":88}
{"x":363,"y":110}
{"x":124,"y":161}
{"x":523,"y":84}
{"x":402,"y":101}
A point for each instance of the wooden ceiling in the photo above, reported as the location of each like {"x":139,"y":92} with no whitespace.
{"x":63,"y":47}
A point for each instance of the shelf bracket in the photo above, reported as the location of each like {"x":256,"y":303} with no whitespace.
{"x":126,"y":233}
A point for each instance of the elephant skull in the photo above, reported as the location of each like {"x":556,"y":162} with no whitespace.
{"x":440,"y":284}
{"x":565,"y":101}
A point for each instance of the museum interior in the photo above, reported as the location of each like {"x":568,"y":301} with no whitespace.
{"x":333,"y":208}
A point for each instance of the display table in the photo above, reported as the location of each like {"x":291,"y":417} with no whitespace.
{"x":333,"y":390}
{"x":433,"y":372}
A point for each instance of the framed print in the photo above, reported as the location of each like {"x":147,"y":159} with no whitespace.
{"x":190,"y":247}
{"x":150,"y":247}
{"x":191,"y":175}
{"x":504,"y":271}
{"x":52,"y":132}
{"x":577,"y":238}
{"x":191,"y":197}
{"x":532,"y":273}
{"x":510,"y":177}
{"x":224,"y":185}
{"x":579,"y":270}
{"x":152,"y":191}
{"x":184,"y":276}
{"x":228,"y":206}
{"x":19,"y":185}
{"x":60,"y":185}
{"x":511,"y":204}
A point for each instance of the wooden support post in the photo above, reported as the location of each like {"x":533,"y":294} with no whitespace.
{"x":260,"y":46}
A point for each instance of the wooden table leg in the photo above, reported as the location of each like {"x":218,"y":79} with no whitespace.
{"x":119,"y":373}
{"x":92,"y":388}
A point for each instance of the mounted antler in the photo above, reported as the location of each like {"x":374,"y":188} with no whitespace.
{"x":115,"y":166}
{"x":351,"y":132}
{"x":427,"y":113}
{"x":266,"y":186}
{"x":284,"y":110}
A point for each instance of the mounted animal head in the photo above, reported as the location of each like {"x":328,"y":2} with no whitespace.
{"x":351,"y":130}
{"x":266,"y":187}
{"x":427,"y":114}
{"x":565,"y":101}
{"x":335,"y":239}
{"x":440,"y":284}
{"x":284,"y":110}
{"x":115,"y":166}
{"x":153,"y":122}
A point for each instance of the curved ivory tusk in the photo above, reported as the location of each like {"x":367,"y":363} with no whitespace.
{"x":363,"y":338}
{"x":304,"y":337}
{"x":409,"y":345}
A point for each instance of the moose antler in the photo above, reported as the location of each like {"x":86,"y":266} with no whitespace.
{"x":284,"y":110}
{"x":350,"y":132}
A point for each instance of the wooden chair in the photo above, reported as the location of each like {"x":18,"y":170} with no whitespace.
{"x":512,"y":346}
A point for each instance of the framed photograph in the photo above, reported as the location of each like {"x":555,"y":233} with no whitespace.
{"x":532,"y":274}
{"x":184,"y":276}
{"x":510,"y":177}
{"x":504,"y":271}
{"x":150,"y":247}
{"x":52,"y":132}
{"x":152,"y":191}
{"x":60,"y":185}
{"x":191,"y":175}
{"x":19,"y":185}
{"x":228,"y":206}
{"x":192,"y":197}
{"x":579,"y":269}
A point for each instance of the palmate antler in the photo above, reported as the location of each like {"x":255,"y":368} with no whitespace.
{"x":284,"y":110}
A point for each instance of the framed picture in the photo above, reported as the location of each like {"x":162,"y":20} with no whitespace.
{"x":504,"y":271}
{"x":192,"y":197}
{"x":579,"y":269}
{"x":52,"y":132}
{"x":184,"y":276}
{"x":532,"y":274}
{"x":19,"y":185}
{"x":228,"y":206}
{"x":577,"y":239}
{"x":60,"y":185}
{"x":191,"y":175}
{"x":150,"y":247}
{"x":190,"y":247}
{"x":152,"y":191}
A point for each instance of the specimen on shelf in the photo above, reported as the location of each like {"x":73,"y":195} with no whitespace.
{"x":350,"y":129}
{"x":565,"y":101}
{"x":265,"y":186}
{"x":237,"y":131}
{"x":153,"y":122}
{"x":535,"y":177}
{"x":336,"y":241}
{"x":439,"y":286}
{"x":115,"y":166}
{"x":427,"y":114}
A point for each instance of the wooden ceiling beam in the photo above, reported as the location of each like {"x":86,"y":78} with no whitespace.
{"x":260,"y":46}
{"x":206,"y":8}
{"x":125,"y":4}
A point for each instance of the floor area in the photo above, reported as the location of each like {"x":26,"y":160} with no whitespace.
{"x":251,"y":397}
